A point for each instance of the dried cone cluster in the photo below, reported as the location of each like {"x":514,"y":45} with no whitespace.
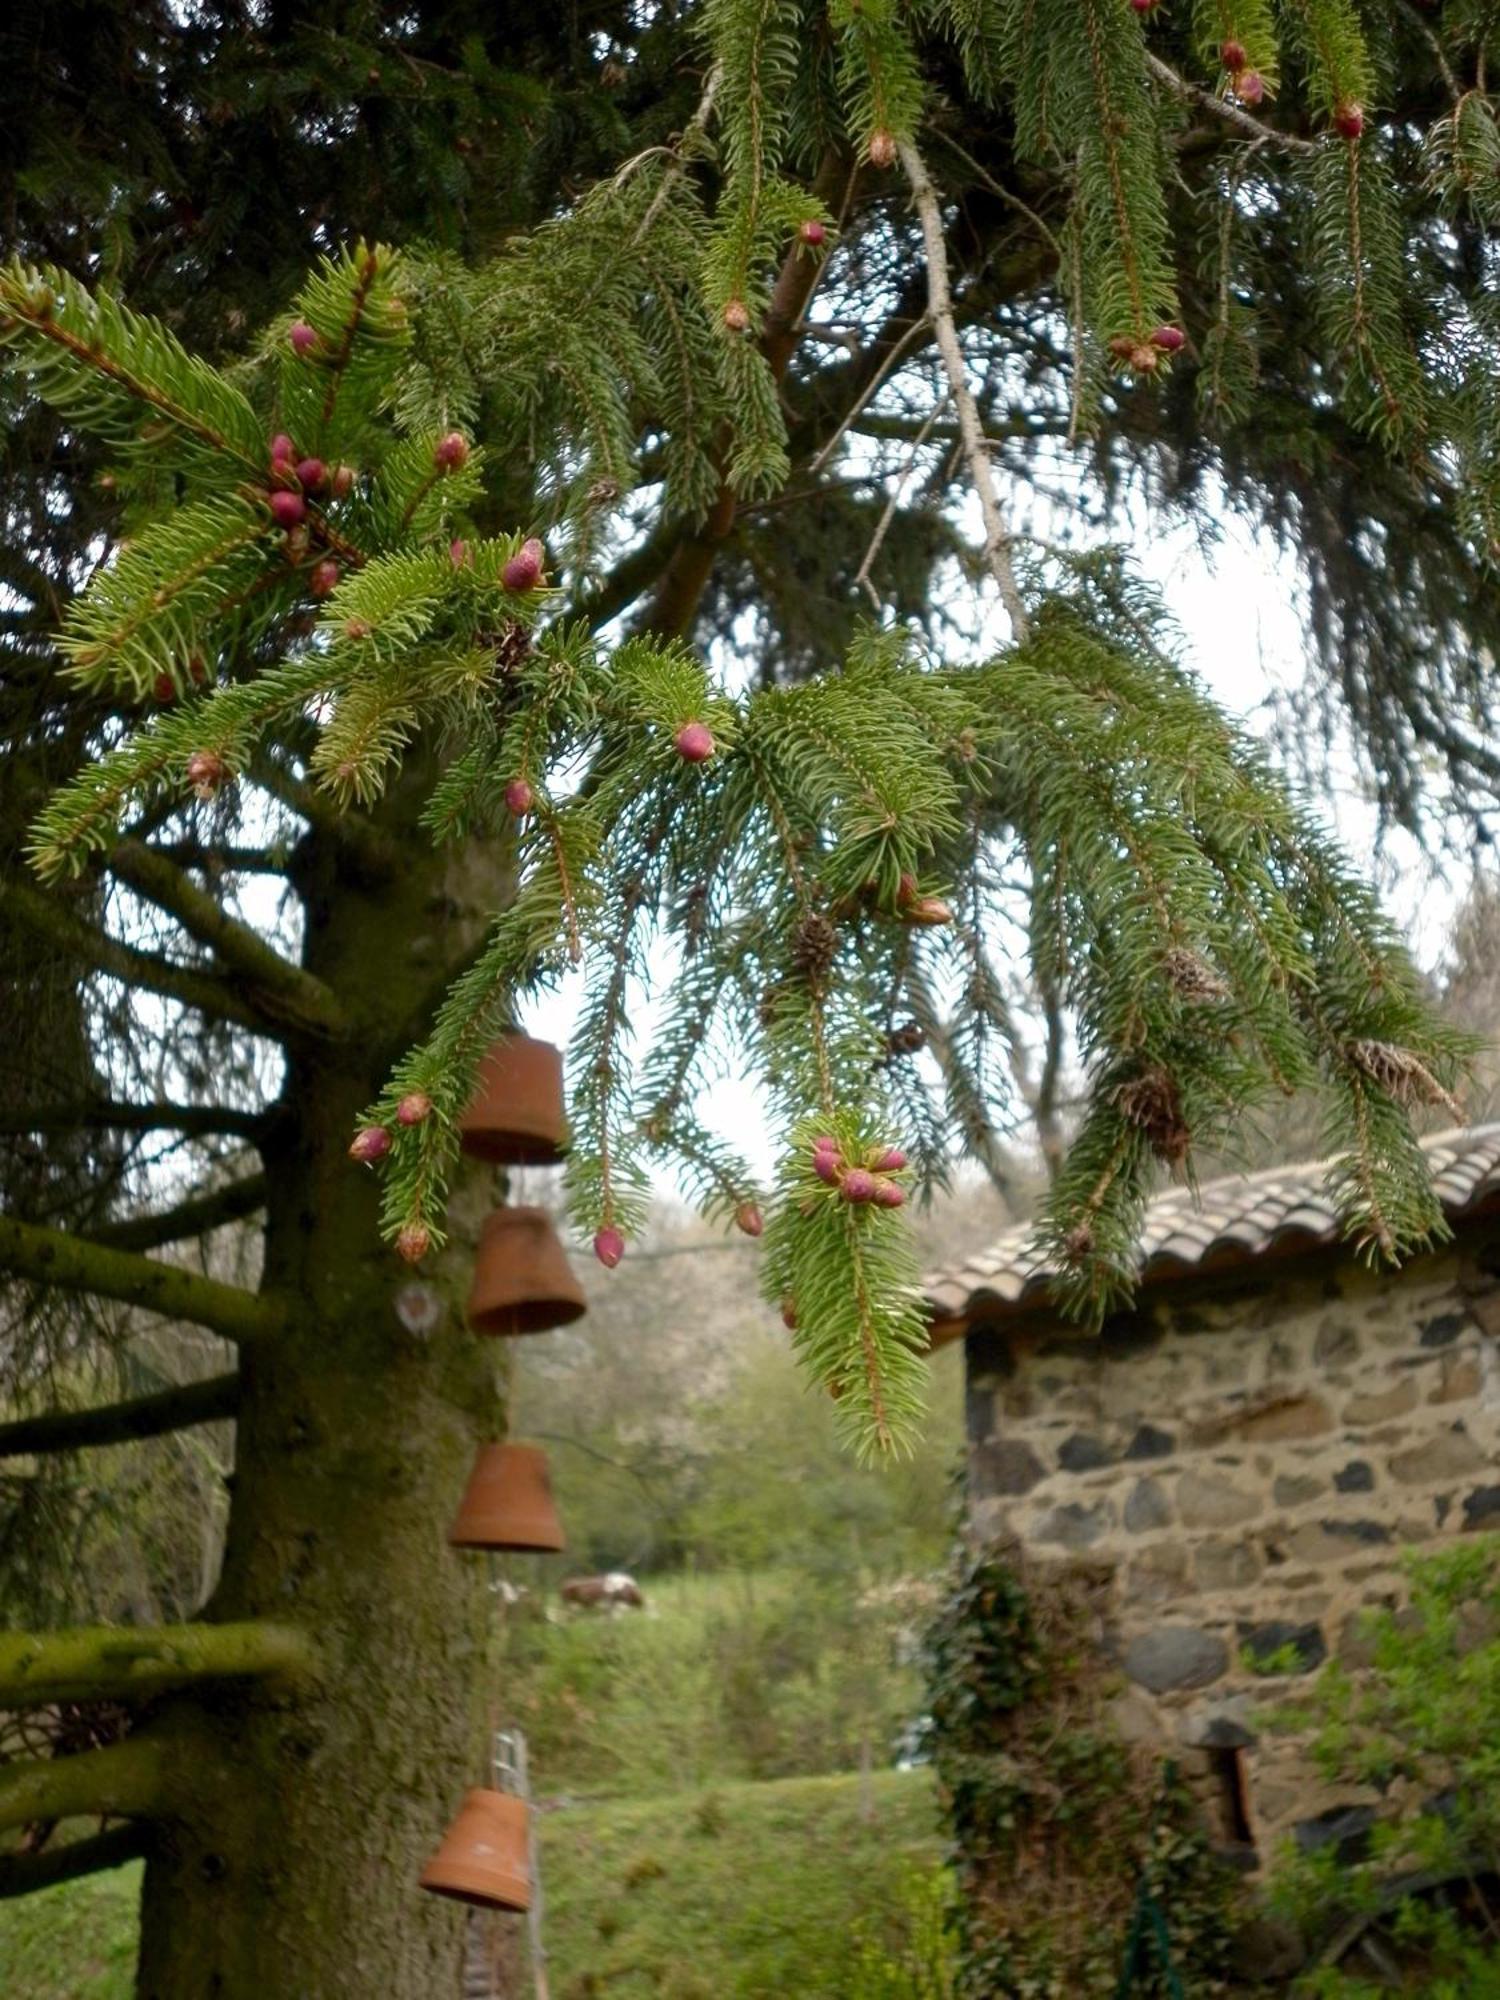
{"x":867,"y":1179}
{"x":1150,"y":1101}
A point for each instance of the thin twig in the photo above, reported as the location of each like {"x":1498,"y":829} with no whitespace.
{"x":1221,"y":108}
{"x":917,"y":326}
{"x":882,"y":526}
{"x":997,"y":538}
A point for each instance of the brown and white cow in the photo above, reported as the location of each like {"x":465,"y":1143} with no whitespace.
{"x":613,"y":1591}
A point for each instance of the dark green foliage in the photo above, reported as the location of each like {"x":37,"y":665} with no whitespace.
{"x":1053,"y":1818}
{"x":1414,"y":1721}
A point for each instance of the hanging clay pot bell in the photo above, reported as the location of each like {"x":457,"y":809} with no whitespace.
{"x":523,"y":1282}
{"x":515,"y":1117}
{"x":484,"y":1857}
{"x":508,"y":1503}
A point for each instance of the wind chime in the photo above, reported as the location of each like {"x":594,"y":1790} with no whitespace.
{"x":522,"y":1284}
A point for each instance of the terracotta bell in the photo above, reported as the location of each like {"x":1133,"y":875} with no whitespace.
{"x":515,"y":1117}
{"x":508,"y":1502}
{"x":484,"y":1857}
{"x":523,"y":1282}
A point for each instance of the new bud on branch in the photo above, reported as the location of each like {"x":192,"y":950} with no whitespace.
{"x":609,"y":1247}
{"x":749,"y":1218}
{"x":370,"y":1143}
{"x":694,"y":743}
{"x":524,"y":570}
{"x":206,"y":772}
{"x":288,"y":508}
{"x":519,"y":797}
{"x":450,"y":452}
{"x":303,"y":337}
{"x":413,"y":1108}
{"x":414,"y":1242}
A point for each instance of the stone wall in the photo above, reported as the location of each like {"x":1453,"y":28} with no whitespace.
{"x":1252,"y":1456}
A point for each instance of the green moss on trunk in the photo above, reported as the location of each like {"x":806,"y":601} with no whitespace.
{"x":294,"y":1873}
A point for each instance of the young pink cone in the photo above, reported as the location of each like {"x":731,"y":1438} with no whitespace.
{"x":1169,"y":339}
{"x":1250,"y":86}
{"x":312,"y":475}
{"x":891,"y":1161}
{"x":524,"y":570}
{"x":737,"y":316}
{"x":370,"y":1143}
{"x":609,"y":1247}
{"x":458,"y":553}
{"x":324,"y":580}
{"x":882,"y":148}
{"x":342,"y":482}
{"x":450,"y":452}
{"x":206,"y":771}
{"x":413,"y":1108}
{"x":859,"y":1185}
{"x":813,"y":233}
{"x":288,"y":508}
{"x":283,"y":451}
{"x":1349,"y":120}
{"x":519,"y":797}
{"x":888,"y":1194}
{"x":749,"y":1218}
{"x":304,"y":338}
{"x":414,"y":1242}
{"x":694,"y":742}
{"x":826,"y":1167}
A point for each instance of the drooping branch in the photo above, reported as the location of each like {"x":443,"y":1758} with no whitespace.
{"x":1226,"y":110}
{"x":175,"y":1409}
{"x":76,"y":1264}
{"x":24,"y":1874}
{"x":127,"y":1779}
{"x":191,"y":1218}
{"x":47,"y":918}
{"x":997,"y":536}
{"x":283,"y":991}
{"x":121,"y":1663}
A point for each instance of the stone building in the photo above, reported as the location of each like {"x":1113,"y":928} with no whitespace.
{"x":1250,"y":1447}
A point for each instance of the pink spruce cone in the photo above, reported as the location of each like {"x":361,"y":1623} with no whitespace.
{"x":859,"y":1185}
{"x":694,"y":743}
{"x":413,"y":1108}
{"x":524,"y":570}
{"x":304,"y":338}
{"x":519,"y":797}
{"x":370,"y":1143}
{"x":609,"y":1247}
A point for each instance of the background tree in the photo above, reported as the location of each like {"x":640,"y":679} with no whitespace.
{"x":778,"y":285}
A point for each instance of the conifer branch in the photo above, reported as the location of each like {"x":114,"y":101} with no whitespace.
{"x":1227,"y":111}
{"x":196,"y":1121}
{"x":45,"y":917}
{"x":44,"y":1256}
{"x":210,"y":1401}
{"x":137,"y":1663}
{"x":189,"y":1219}
{"x":25,"y":1872}
{"x":976,"y":452}
{"x":130,"y":1779}
{"x":283,"y":992}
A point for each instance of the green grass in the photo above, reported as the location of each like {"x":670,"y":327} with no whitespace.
{"x":76,"y":1942}
{"x":747,"y":1889}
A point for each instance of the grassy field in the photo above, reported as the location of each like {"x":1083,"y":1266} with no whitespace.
{"x":747,"y":1889}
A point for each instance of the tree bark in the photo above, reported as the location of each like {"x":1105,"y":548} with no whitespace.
{"x":291,"y":1869}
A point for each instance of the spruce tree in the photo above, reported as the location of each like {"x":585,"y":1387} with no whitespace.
{"x":561,"y":564}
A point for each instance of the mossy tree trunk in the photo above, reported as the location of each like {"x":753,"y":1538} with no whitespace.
{"x":288,"y":1866}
